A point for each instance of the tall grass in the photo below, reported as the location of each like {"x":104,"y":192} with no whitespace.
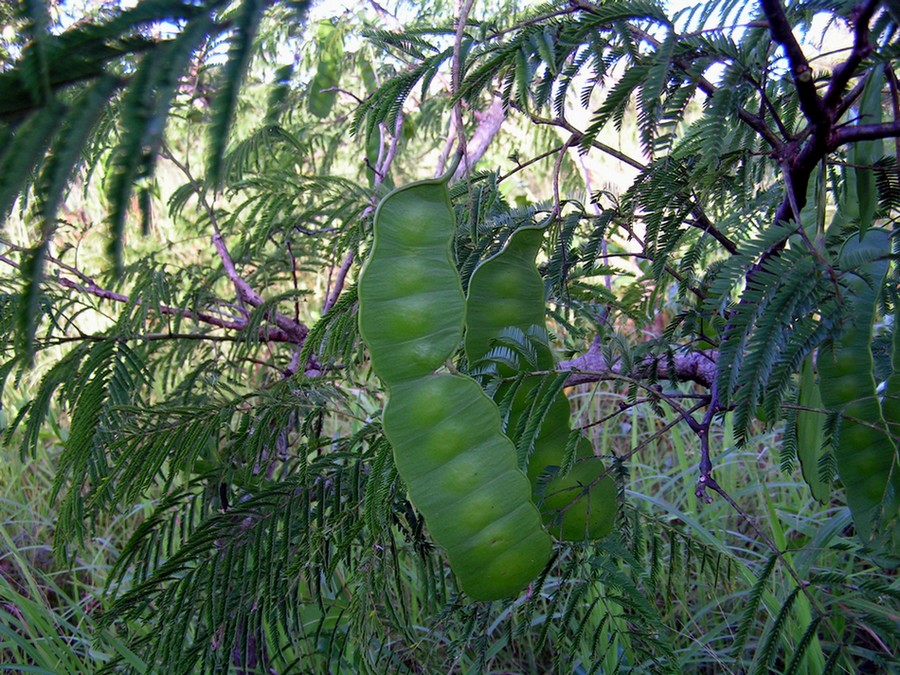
{"x":794,"y":596}
{"x":781,"y":588}
{"x":49,"y":607}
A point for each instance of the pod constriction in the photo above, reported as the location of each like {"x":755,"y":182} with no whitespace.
{"x":459,"y":468}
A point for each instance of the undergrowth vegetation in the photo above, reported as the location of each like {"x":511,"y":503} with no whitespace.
{"x":681,"y":582}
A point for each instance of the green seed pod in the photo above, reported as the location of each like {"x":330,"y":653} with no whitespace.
{"x":411,"y":304}
{"x":506,"y":291}
{"x":462,"y":475}
{"x":328,"y":70}
{"x":581,"y":505}
{"x":811,"y":432}
{"x":459,"y":468}
{"x":866,"y":453}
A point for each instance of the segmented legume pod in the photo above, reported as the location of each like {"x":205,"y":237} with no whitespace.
{"x":811,"y":431}
{"x":459,"y":468}
{"x":506,"y":291}
{"x":866,"y":453}
{"x":891,"y":413}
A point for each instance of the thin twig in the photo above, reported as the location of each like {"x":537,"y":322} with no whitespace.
{"x":864,"y":132}
{"x":894,"y":87}
{"x":339,"y":281}
{"x":604,"y":243}
{"x":465,"y":6}
{"x":88,"y":286}
{"x":842,"y":74}
{"x":557,"y":168}
{"x":245,"y":292}
{"x":699,"y":367}
{"x":701,"y":220}
{"x":523,"y":165}
{"x":149,"y":337}
{"x":583,"y":489}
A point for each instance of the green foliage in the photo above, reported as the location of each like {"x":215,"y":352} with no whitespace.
{"x":246,"y":21}
{"x":866,"y":451}
{"x":809,"y":426}
{"x":190,"y":415}
{"x":145,"y":107}
{"x":385,"y":105}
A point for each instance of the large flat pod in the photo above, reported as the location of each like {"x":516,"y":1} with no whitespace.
{"x":461,"y":471}
{"x":462,"y":475}
{"x":411,"y":303}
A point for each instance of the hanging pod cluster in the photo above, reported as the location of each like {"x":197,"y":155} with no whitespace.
{"x":461,"y":470}
{"x":459,"y":467}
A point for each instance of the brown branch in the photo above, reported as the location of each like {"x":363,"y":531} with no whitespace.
{"x":338,"y":282}
{"x":463,"y":10}
{"x":247,"y":294}
{"x":701,"y":220}
{"x":755,"y":122}
{"x":523,"y":165}
{"x":864,"y":132}
{"x":392,"y":21}
{"x":539,"y":19}
{"x":489,"y":123}
{"x":592,"y":366}
{"x":557,"y":168}
{"x":842,"y":74}
{"x":447,"y":149}
{"x":89,"y":287}
{"x":651,"y":398}
{"x":767,"y":105}
{"x":781,"y":31}
{"x":703,"y":432}
{"x":151,"y":337}
{"x":93,"y":289}
{"x":850,"y":99}
{"x":386,"y":158}
{"x":801,"y":157}
{"x":578,"y":135}
{"x":671,"y":271}
{"x":265,"y":333}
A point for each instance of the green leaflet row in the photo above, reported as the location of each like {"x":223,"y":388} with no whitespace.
{"x":459,"y":468}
